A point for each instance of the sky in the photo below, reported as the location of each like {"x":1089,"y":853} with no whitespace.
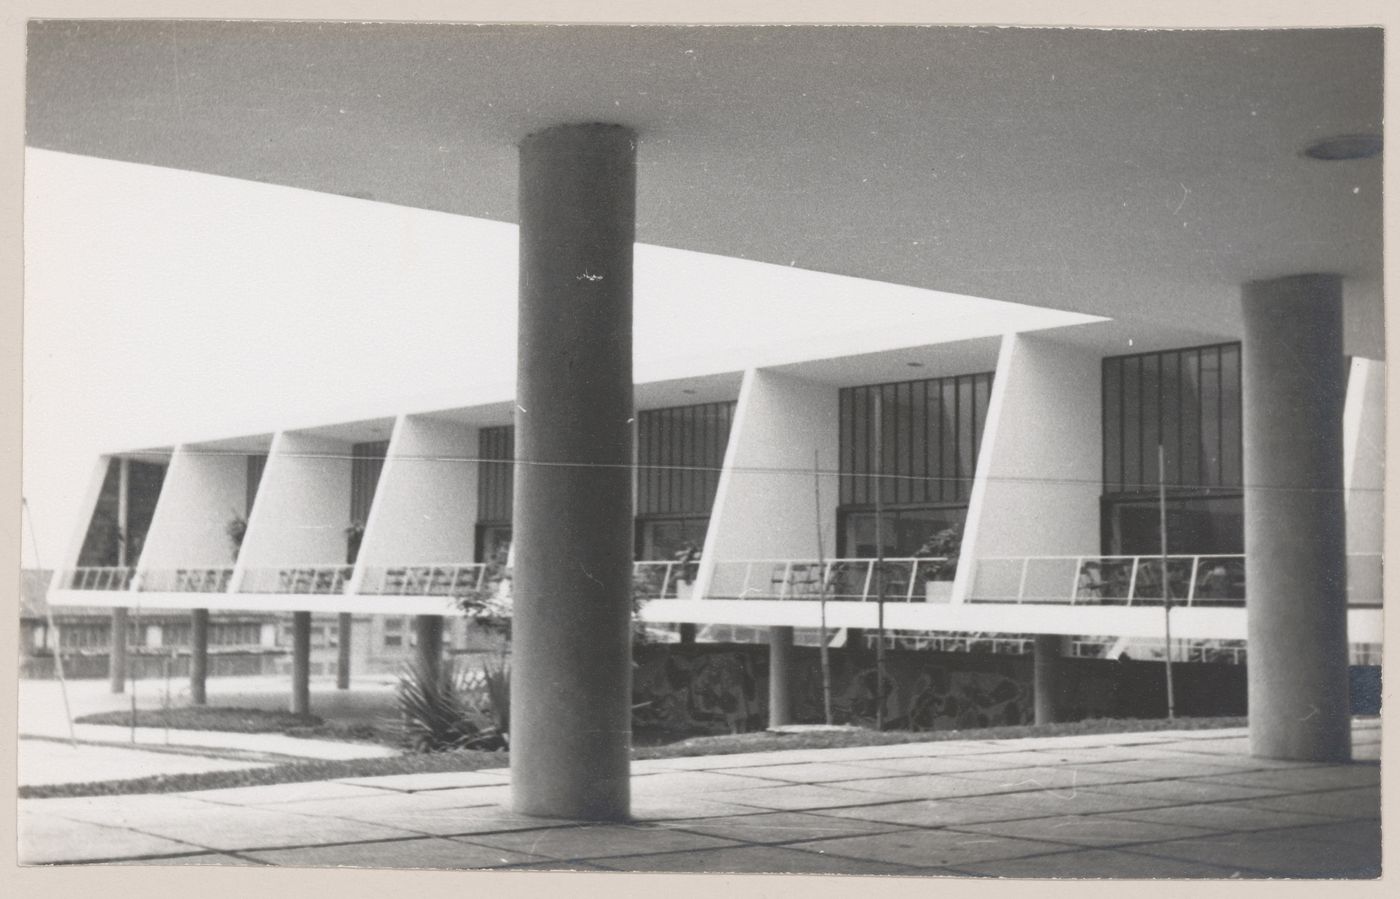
{"x":165,"y":306}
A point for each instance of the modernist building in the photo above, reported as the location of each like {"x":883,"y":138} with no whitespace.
{"x":1210,"y":199}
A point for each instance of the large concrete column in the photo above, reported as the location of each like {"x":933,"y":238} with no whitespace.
{"x":428,"y":629}
{"x":1050,"y":649}
{"x":344,"y":634}
{"x":780,"y":676}
{"x":571,"y":686}
{"x":116,"y":656}
{"x":199,"y":655}
{"x":301,"y":663}
{"x":1294,"y":384}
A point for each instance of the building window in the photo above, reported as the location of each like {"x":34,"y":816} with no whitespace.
{"x":366,"y":464}
{"x":680,"y":452}
{"x":496,"y":475}
{"x":929,"y":440}
{"x":393,"y":632}
{"x":1188,"y":402}
{"x":100,"y":545}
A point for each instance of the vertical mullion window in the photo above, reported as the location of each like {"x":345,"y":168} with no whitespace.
{"x":1112,"y":426}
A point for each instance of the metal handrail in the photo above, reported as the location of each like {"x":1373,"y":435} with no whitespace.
{"x":215,"y":579}
{"x":1199,"y":580}
{"x":845,"y":580}
{"x":315,"y":580}
{"x":100,"y":577}
{"x":447,"y":579}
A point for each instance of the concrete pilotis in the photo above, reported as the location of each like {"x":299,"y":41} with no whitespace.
{"x":571,"y":690}
{"x":1294,"y":384}
{"x":780,"y":676}
{"x":199,"y":655}
{"x":429,"y":630}
{"x":301,"y":663}
{"x":1050,"y":649}
{"x":344,"y":633}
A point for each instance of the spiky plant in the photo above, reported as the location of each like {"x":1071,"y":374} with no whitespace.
{"x":435,"y":711}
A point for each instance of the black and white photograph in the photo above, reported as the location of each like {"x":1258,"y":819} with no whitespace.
{"x":909,"y":453}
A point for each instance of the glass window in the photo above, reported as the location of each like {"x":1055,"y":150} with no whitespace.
{"x":680,"y":451}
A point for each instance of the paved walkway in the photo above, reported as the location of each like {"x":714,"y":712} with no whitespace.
{"x":106,"y":752}
{"x":1184,"y":804}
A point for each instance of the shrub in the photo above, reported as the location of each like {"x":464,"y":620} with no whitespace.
{"x":437,"y":712}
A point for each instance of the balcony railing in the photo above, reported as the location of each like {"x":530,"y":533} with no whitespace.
{"x":422,"y":580}
{"x":185,"y":580}
{"x":1196,"y":581}
{"x":664,"y":580}
{"x":847,"y":580}
{"x":109,"y":577}
{"x":317,"y":580}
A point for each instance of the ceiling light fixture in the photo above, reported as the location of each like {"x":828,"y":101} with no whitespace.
{"x":914,"y":364}
{"x":1344,"y":147}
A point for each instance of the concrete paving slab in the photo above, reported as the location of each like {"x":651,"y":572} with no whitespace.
{"x":782,"y":827}
{"x":49,"y":839}
{"x":199,"y":859}
{"x":930,"y":848}
{"x":1181,"y":792}
{"x":601,"y":841}
{"x":696,"y":783}
{"x":671,"y":808}
{"x":275,"y":794}
{"x":804,"y":797}
{"x":444,"y":780}
{"x":229,"y":828}
{"x":1057,"y":777}
{"x":930,"y":812}
{"x":816,"y":772}
{"x":1086,"y":830}
{"x":1098,"y":864}
{"x":752,"y":860}
{"x":1332,"y":777}
{"x":429,"y":852}
{"x":1220,"y":816}
{"x":937,"y":764}
{"x":1357,"y":803}
{"x":1269,"y":853}
{"x":962,"y":784}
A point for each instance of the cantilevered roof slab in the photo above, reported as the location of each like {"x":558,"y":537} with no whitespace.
{"x":1135,"y":174}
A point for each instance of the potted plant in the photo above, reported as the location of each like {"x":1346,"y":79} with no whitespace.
{"x":941,"y":549}
{"x":237,"y":527}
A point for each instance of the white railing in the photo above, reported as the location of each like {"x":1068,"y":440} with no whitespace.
{"x":422,"y":580}
{"x":185,"y":580}
{"x":664,"y":580}
{"x":99,"y":577}
{"x":848,"y":580}
{"x":1197,"y":581}
{"x":319,"y":580}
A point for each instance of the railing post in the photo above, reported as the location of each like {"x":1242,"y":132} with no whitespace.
{"x":913,"y":579}
{"x":1074,"y":584}
{"x":869,"y":573}
{"x":1132,"y":580}
{"x":787,"y":579}
{"x":1191,"y":585}
{"x":1025,"y":571}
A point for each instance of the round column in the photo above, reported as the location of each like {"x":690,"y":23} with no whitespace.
{"x":428,"y":629}
{"x":1294,"y":384}
{"x":301,"y":663}
{"x":1050,"y":649}
{"x":344,"y":633}
{"x":571,"y":652}
{"x":199,"y":655}
{"x":780,"y":676}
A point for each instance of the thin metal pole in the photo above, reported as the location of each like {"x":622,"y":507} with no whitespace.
{"x":822,"y":587}
{"x":1166,"y":581}
{"x":879,"y":562}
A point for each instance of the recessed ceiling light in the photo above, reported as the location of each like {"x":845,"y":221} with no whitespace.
{"x":688,"y":392}
{"x":1345,"y":146}
{"x":914,"y":364}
